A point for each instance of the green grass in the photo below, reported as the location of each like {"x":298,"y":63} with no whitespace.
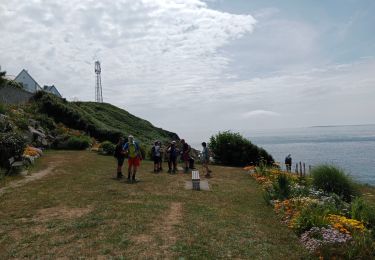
{"x":102,"y":120}
{"x":79,"y":210}
{"x":107,"y":116}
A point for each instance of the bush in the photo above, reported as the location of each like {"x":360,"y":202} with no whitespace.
{"x":362,"y":211}
{"x":332,"y":179}
{"x":14,"y":84}
{"x":11,"y":145}
{"x":108,"y":148}
{"x":282,"y":187}
{"x":362,"y":247}
{"x":314,"y":215}
{"x":2,"y":108}
{"x":76,"y":143}
{"x":21,"y":122}
{"x":45,"y":121}
{"x":234,"y":150}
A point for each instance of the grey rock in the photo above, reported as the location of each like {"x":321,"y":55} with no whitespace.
{"x":3,"y":118}
{"x":36,"y":133}
{"x":44,"y":142}
{"x":41,"y":130}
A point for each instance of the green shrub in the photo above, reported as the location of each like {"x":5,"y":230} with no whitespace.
{"x":2,"y":108}
{"x":262,"y":169}
{"x":299,"y":189}
{"x":21,"y":123}
{"x":11,"y":145}
{"x":282,"y":187}
{"x":45,"y":121}
{"x":76,"y":143}
{"x":14,"y":84}
{"x":332,"y":179}
{"x":362,"y":247}
{"x":3,"y":80}
{"x":362,"y":211}
{"x":108,"y":148}
{"x":235,"y":150}
{"x":314,"y":215}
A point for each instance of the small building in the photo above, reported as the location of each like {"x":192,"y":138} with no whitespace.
{"x":52,"y":89}
{"x":28,"y":83}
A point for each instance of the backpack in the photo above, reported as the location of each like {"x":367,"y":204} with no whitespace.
{"x":153,"y":152}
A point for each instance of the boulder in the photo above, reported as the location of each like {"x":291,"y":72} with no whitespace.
{"x":40,"y":129}
{"x":44,"y":142}
{"x":36,"y":133}
{"x":3,"y":118}
{"x":29,"y":159}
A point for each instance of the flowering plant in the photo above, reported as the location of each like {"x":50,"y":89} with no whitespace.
{"x":346,"y":225}
{"x":317,"y":237}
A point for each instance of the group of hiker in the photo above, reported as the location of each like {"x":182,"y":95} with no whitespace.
{"x":130,"y":149}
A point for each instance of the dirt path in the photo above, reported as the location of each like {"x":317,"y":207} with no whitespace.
{"x":164,"y":231}
{"x":28,"y":178}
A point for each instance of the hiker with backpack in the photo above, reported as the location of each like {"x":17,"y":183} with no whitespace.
{"x":288,"y":163}
{"x":120,"y":157}
{"x":156,"y":156}
{"x":131,"y":148}
{"x":172,"y":153}
{"x":185,"y":154}
{"x":206,"y":159}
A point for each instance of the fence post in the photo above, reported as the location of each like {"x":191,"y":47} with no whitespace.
{"x":304,"y":169}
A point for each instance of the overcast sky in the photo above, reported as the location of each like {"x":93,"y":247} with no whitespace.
{"x":196,"y":67}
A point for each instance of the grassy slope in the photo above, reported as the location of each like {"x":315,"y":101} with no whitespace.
{"x":114,"y":118}
{"x":92,"y":215}
{"x":104,"y":121}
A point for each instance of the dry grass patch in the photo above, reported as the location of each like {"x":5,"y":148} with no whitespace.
{"x":60,"y":212}
{"x":50,"y":218}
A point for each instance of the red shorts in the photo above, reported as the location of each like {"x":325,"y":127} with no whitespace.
{"x":134,"y":162}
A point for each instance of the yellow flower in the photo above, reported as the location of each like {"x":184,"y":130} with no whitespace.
{"x":345,"y":225}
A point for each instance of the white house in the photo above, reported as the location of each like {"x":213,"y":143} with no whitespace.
{"x":28,"y":83}
{"x":52,"y":89}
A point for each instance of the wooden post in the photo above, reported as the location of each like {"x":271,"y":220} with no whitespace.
{"x":300,"y":169}
{"x":304,"y":169}
{"x":310,"y":169}
{"x":297,"y":168}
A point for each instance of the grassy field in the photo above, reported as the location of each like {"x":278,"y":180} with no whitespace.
{"x":79,"y":210}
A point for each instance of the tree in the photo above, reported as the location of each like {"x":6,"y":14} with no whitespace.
{"x":2,"y":78}
{"x":234,"y":150}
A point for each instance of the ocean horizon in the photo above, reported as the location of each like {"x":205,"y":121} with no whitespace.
{"x":350,"y":147}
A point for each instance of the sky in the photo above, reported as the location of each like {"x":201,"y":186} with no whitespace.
{"x":197,"y":67}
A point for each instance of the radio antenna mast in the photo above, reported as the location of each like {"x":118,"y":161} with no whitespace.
{"x":98,"y":83}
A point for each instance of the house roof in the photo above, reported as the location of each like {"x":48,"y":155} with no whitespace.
{"x":49,"y":89}
{"x":23,"y":70}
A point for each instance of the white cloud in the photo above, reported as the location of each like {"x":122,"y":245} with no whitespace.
{"x":259,"y":113}
{"x":162,"y":47}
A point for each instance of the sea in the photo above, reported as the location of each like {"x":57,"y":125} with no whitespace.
{"x":350,"y":147}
